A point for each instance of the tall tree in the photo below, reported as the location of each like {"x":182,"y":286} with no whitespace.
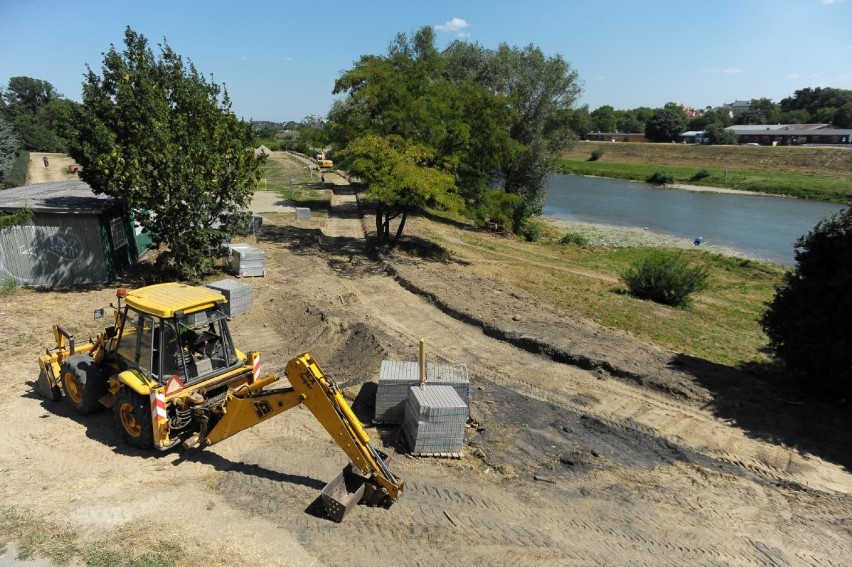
{"x":159,"y":136}
{"x":665,"y":125}
{"x":9,"y":144}
{"x":604,"y":119}
{"x":542,"y":91}
{"x":25,"y":95}
{"x":433,"y":124}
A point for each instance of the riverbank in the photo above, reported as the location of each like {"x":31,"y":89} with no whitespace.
{"x":631,"y":237}
{"x":821,"y":174}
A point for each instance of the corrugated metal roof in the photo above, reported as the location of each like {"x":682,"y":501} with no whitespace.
{"x":56,"y":197}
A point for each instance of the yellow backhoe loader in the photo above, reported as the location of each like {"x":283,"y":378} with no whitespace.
{"x":169,"y":370}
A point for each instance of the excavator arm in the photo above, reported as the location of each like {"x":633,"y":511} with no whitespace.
{"x":250,"y":404}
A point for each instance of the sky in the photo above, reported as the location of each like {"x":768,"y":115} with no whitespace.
{"x":279,"y":60}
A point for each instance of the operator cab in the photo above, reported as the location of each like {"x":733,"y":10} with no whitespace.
{"x":191,"y":346}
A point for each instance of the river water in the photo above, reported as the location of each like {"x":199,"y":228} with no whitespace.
{"x":760,"y":226}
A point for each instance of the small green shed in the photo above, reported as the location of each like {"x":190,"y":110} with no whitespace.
{"x":74,"y":238}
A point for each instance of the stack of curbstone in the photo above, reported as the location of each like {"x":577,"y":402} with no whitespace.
{"x":434,"y":421}
{"x":396,"y":377}
{"x":237,"y":293}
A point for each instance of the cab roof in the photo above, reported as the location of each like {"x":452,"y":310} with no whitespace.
{"x":167,"y":299}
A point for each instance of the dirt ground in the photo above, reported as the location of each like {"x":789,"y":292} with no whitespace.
{"x":594,"y":449}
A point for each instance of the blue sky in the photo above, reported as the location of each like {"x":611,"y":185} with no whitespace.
{"x":279,"y":60}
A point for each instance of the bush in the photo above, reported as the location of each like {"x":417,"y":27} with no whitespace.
{"x":808,"y":320}
{"x":574,"y":238}
{"x":17,"y":176}
{"x":531,"y":231}
{"x":661,"y":178}
{"x":8,"y":287}
{"x":597,"y":153}
{"x":701,"y":174}
{"x":665,"y":278}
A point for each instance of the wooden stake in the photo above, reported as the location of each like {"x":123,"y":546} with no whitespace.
{"x":422,"y":363}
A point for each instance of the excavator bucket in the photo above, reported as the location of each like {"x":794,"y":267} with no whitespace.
{"x":343,"y":493}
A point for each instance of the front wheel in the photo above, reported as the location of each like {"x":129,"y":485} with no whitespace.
{"x":132,"y":413}
{"x":83,"y":384}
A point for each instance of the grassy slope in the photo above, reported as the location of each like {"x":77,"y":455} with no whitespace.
{"x":815,"y":173}
{"x":720,"y":325}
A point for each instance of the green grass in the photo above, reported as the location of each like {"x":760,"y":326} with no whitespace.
{"x":719,"y":324}
{"x":36,"y":538}
{"x":814,"y":186}
{"x":291,"y":178}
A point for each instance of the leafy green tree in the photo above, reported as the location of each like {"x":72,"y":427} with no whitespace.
{"x":717,"y":135}
{"x":9,"y":144}
{"x":541,"y":90}
{"x":721,"y":116}
{"x":604,"y":119}
{"x":761,"y":111}
{"x":843,"y":117}
{"x":580,"y":122}
{"x":665,"y":125}
{"x":157,"y":135}
{"x":445,"y":127}
{"x":25,"y":95}
{"x":399,"y":181}
{"x":808,"y":320}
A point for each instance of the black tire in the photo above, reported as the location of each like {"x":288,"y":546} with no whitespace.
{"x":83,"y":384}
{"x":133,"y":418}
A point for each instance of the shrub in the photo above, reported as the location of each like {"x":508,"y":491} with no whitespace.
{"x":574,"y":238}
{"x":701,"y":174}
{"x":661,"y":178}
{"x":597,"y":153}
{"x":8,"y":287}
{"x":17,"y":176}
{"x":808,"y":320}
{"x":531,"y":231}
{"x":663,"y":277}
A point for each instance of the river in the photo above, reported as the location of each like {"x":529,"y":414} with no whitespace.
{"x":760,"y":226}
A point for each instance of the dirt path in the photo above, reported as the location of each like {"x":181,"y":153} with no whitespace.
{"x":573,"y":467}
{"x":55,"y":170}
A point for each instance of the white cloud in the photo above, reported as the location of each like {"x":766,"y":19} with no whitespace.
{"x":827,"y":2}
{"x":455,"y":25}
{"x":794,"y":76}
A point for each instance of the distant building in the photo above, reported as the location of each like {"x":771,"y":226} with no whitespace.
{"x":694,"y":137}
{"x":792,"y":135}
{"x":739,"y":107}
{"x":692,"y":112}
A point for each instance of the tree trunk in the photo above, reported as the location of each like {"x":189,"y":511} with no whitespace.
{"x":400,"y":227}
{"x":380,"y":223}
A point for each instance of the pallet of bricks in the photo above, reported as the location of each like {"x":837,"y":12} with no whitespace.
{"x":432,"y":423}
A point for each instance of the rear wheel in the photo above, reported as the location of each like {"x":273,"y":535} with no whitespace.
{"x":83,"y":384}
{"x":132,"y":413}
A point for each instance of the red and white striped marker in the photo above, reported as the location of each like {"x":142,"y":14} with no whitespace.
{"x":158,"y":406}
{"x":257,"y":367}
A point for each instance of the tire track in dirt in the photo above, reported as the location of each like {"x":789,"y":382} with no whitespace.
{"x":617,"y":401}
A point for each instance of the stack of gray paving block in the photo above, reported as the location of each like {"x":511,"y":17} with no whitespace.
{"x":237,"y":293}
{"x":246,"y":260}
{"x":434,"y":420}
{"x":396,"y":377}
{"x":303,"y":213}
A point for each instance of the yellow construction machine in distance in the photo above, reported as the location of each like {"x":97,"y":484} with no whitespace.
{"x":171,"y":373}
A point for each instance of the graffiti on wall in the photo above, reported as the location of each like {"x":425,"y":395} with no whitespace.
{"x":19,"y":243}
